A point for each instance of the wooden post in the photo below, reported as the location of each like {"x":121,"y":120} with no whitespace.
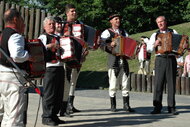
{"x":144,"y":83}
{"x":149,"y":83}
{"x":22,"y":12}
{"x":43,"y":15}
{"x":187,"y":86}
{"x":178,"y":85}
{"x":7,"y":6}
{"x":48,"y":14}
{"x":1,"y":15}
{"x":37,"y":24}
{"x":183,"y":87}
{"x":13,"y":6}
{"x":18,"y":8}
{"x":133,"y":82}
{"x":139,"y":82}
{"x":26,"y":20}
{"x":31,"y":24}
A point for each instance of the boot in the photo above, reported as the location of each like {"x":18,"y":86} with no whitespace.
{"x":126,"y":106}
{"x":113,"y":104}
{"x":63,"y":111}
{"x":70,"y":108}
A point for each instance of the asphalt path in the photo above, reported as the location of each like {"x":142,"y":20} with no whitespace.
{"x":95,"y":107}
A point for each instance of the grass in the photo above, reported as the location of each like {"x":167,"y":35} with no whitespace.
{"x":94,"y":70}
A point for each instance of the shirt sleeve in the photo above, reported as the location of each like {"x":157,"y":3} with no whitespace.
{"x":43,"y":38}
{"x":150,"y":44}
{"x":105,"y":34}
{"x":175,"y":32}
{"x":16,"y":46}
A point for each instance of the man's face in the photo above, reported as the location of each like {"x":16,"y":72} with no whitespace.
{"x":58,"y":27}
{"x":49,"y":26}
{"x":115,"y":21}
{"x":71,"y":14}
{"x":161,"y":23}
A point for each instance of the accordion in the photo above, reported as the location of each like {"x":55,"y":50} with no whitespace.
{"x":91,"y":37}
{"x":72,"y":49}
{"x":172,"y":43}
{"x":37,"y":68}
{"x":125,"y":46}
{"x":84,"y":32}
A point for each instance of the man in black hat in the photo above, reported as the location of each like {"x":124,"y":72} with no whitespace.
{"x":58,"y":26}
{"x":118,"y":69}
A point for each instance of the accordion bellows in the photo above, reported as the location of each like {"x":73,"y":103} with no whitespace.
{"x":125,"y":46}
{"x":172,"y":43}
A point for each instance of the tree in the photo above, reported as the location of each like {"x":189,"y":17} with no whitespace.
{"x":137,"y":15}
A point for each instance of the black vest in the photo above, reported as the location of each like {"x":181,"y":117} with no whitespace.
{"x":6,"y":34}
{"x":168,"y":30}
{"x":117,"y":58}
{"x":50,"y":55}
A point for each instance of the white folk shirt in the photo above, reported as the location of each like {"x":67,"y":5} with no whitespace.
{"x":150,"y":44}
{"x":106,"y":34}
{"x":16,"y":44}
{"x":43,"y":38}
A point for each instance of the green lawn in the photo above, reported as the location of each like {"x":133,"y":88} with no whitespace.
{"x":93,"y":72}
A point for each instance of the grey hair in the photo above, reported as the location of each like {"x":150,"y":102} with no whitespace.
{"x":48,"y":18}
{"x":162,"y":17}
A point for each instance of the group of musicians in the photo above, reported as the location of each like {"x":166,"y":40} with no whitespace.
{"x":60,"y":76}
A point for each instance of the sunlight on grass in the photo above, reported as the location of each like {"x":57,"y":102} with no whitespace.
{"x":97,"y":60}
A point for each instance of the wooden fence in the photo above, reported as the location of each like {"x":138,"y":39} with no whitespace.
{"x":33,"y":19}
{"x":145,"y":83}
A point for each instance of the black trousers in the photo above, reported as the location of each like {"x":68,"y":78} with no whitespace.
{"x":53,"y":87}
{"x":165,"y":72}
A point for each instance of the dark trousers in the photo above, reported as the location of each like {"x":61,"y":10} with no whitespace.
{"x":165,"y":72}
{"x":53,"y":86}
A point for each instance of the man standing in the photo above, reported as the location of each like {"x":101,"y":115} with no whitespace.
{"x":118,"y":70}
{"x":165,"y":70}
{"x":12,"y":91}
{"x":53,"y":79}
{"x":72,"y":73}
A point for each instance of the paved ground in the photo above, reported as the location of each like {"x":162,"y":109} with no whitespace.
{"x":95,"y":105}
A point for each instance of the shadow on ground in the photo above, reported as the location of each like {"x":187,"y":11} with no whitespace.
{"x":121,"y":118}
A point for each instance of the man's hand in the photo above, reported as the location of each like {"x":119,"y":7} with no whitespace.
{"x":52,"y":46}
{"x":113,"y":44}
{"x":157,"y":43}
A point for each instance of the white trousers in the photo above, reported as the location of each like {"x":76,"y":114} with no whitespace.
{"x":1,"y":108}
{"x":14,"y":104}
{"x":144,"y":67}
{"x":114,"y":82}
{"x":69,"y":87}
{"x":73,"y":82}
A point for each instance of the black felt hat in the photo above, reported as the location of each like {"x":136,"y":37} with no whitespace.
{"x":114,"y":15}
{"x":58,"y":19}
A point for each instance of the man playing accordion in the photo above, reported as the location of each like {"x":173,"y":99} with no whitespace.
{"x":73,"y":30}
{"x":165,"y":70}
{"x":53,"y":79}
{"x":118,"y":69}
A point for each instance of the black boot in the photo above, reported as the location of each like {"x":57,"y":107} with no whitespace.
{"x":70,"y":108}
{"x":63,"y":111}
{"x":126,"y":106}
{"x":113,"y":104}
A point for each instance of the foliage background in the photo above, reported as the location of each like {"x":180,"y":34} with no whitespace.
{"x":138,"y":15}
{"x":138,"y":19}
